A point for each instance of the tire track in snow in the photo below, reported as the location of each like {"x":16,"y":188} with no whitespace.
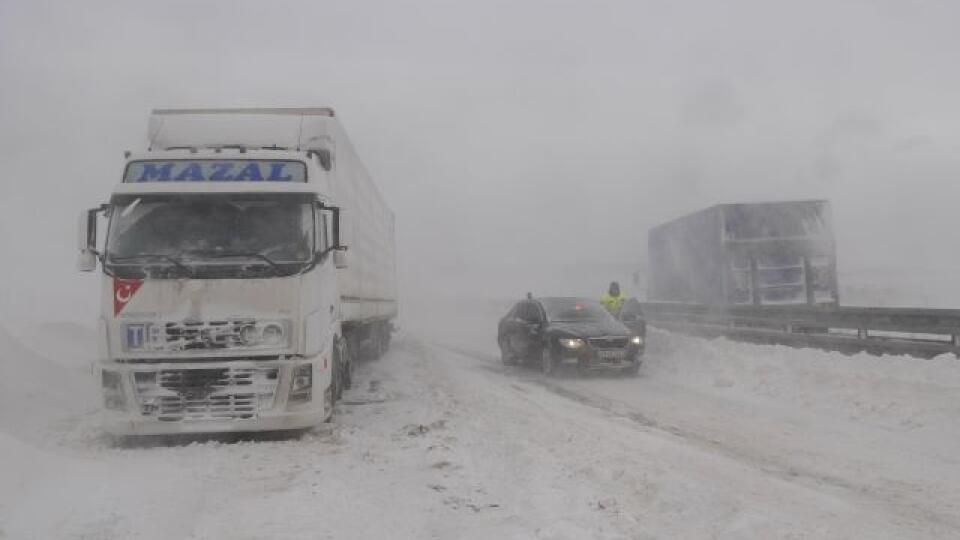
{"x":806,"y":476}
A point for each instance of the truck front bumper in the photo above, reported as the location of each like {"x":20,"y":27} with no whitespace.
{"x":219,"y":397}
{"x":129,"y":425}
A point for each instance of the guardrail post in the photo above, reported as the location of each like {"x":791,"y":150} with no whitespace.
{"x":861,"y":333}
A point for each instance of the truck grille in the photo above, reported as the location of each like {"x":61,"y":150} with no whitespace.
{"x":228,"y":393}
{"x":608,"y":342}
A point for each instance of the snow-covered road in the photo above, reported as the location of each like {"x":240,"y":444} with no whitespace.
{"x":439,"y":440}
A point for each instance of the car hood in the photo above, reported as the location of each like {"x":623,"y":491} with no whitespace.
{"x":589,"y":329}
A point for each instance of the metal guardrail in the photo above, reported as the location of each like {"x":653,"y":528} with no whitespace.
{"x":917,"y":332}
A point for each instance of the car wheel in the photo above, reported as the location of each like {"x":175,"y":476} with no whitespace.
{"x":506,"y":357}
{"x":547,"y":364}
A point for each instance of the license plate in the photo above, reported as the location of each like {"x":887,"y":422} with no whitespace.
{"x":612,"y":355}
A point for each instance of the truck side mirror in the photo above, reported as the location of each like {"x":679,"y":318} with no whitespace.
{"x":341,"y":229}
{"x":337,"y":229}
{"x":87,"y":261}
{"x":87,"y":240}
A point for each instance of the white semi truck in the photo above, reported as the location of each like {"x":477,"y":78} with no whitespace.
{"x":248,"y":260}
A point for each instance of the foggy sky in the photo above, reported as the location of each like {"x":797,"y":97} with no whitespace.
{"x":511,"y":138}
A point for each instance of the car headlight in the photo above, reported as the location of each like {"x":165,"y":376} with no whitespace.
{"x":572,"y":343}
{"x":636,"y":340}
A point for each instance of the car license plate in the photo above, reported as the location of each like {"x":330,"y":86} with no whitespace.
{"x":612,"y":355}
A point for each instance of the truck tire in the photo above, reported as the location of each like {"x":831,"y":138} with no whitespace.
{"x":346,"y":373}
{"x":383,"y":338}
{"x":329,"y":401}
{"x":387,"y":331}
{"x":341,"y":358}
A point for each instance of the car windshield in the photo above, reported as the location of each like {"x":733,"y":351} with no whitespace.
{"x":573,"y":309}
{"x":181,"y":231}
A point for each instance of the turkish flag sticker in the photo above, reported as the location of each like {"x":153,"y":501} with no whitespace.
{"x":123,"y":291}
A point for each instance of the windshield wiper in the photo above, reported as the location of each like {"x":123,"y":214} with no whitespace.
{"x":169,"y":258}
{"x":256,"y":255}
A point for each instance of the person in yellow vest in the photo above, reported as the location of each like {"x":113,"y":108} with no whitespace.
{"x":613,"y":299}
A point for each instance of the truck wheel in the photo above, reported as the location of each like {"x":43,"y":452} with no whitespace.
{"x":328,"y":401}
{"x":347,"y":367}
{"x":547,"y":364}
{"x":386,"y":335}
{"x":336,"y":372}
{"x":384,"y":338}
{"x":379,"y":346}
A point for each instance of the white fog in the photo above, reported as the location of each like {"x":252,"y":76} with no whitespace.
{"x":522,"y":147}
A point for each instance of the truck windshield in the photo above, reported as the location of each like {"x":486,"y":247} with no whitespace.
{"x":210,"y":235}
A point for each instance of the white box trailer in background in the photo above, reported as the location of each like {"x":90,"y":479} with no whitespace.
{"x":767,"y":253}
{"x":249,"y":259}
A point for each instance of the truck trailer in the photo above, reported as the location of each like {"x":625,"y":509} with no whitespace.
{"x":248,"y":260}
{"x":749,"y":253}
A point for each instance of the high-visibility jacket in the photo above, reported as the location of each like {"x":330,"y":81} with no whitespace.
{"x":613,"y":303}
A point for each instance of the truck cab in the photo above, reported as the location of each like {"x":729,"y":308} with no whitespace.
{"x":222,"y":278}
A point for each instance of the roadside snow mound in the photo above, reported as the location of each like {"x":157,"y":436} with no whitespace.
{"x":897,"y":390}
{"x":39,"y":394}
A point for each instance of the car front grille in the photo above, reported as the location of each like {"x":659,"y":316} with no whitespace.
{"x":223,"y":393}
{"x":608,"y":342}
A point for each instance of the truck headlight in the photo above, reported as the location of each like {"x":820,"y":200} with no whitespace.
{"x":249,"y":335}
{"x":272,"y":334}
{"x":264,"y":334}
{"x":636,"y":340}
{"x":113,"y":396}
{"x":572,"y":343}
{"x":301,"y":384}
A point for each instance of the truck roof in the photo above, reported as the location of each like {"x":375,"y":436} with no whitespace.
{"x":770,"y":203}
{"x":723,"y":206}
{"x":305,"y":128}
{"x":296,"y":111}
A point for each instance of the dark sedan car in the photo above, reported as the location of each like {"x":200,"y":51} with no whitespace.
{"x":552,"y":332}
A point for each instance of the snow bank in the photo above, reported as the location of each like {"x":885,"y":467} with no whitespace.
{"x":891,"y":390}
{"x":43,"y":393}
